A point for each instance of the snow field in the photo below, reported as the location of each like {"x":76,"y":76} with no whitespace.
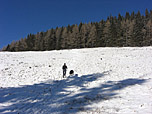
{"x":106,"y":81}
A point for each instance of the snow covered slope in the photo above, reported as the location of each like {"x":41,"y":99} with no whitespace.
{"x":106,"y":81}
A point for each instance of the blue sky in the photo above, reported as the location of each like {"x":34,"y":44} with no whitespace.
{"x":18,"y":18}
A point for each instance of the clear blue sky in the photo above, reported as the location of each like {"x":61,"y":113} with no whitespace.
{"x":18,"y":18}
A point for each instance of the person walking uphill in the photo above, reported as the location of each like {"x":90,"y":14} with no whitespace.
{"x":64,"y":67}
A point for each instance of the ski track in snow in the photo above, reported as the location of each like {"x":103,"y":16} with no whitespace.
{"x":106,"y":81}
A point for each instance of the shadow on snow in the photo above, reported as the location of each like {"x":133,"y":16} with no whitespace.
{"x":69,"y":95}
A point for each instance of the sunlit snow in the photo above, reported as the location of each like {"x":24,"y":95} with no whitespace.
{"x":105,"y":81}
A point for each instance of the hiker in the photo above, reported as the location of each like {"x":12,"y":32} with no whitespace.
{"x":64,"y":67}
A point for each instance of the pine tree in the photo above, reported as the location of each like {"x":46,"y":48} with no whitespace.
{"x":113,"y":32}
{"x":132,"y":17}
{"x":47,"y":40}
{"x":37,"y":42}
{"x":52,"y":42}
{"x":106,"y":33}
{"x":58,"y":37}
{"x":127,"y":16}
{"x":120,"y":18}
{"x":147,"y":14}
{"x":42,"y":41}
{"x":7,"y":48}
{"x":100,"y":35}
{"x":137,"y":30}
{"x":64,"y":38}
{"x":30,"y":42}
{"x":148,"y":38}
{"x":74,"y":37}
{"x":12,"y":46}
{"x":84,"y":35}
{"x":80,"y":25}
{"x":91,"y":41}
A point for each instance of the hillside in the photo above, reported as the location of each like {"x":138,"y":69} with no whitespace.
{"x":106,"y":81}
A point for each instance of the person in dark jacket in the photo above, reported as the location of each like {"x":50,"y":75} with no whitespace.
{"x":64,"y":67}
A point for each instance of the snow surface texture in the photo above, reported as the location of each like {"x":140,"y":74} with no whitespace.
{"x":106,"y":81}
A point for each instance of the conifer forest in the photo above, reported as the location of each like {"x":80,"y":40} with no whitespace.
{"x":131,"y":30}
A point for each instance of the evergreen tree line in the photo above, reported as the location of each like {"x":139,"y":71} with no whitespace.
{"x":122,"y":31}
